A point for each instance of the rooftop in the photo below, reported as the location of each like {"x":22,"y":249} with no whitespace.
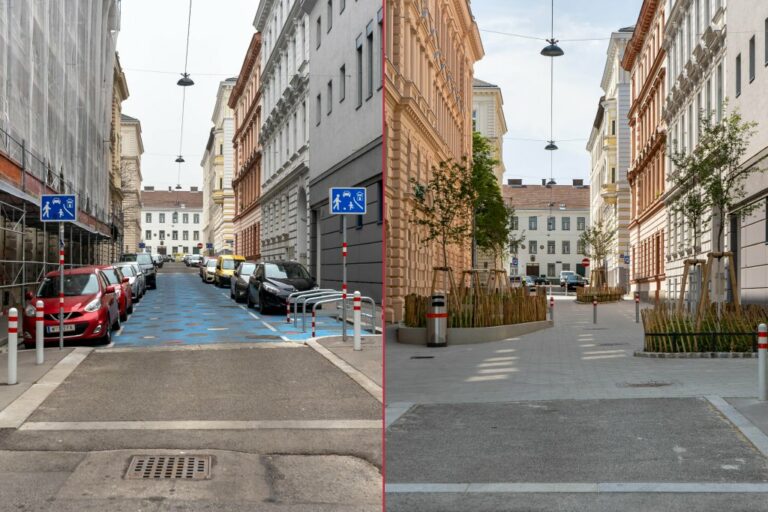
{"x":480,"y":83}
{"x":171,"y":199}
{"x":539,"y":197}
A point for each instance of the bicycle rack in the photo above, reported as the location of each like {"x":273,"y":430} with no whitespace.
{"x":372,"y":315}
{"x":331,"y":297}
{"x":304,"y":299}
{"x":295,"y":296}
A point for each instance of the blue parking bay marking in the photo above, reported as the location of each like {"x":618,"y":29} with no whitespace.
{"x":185,"y":311}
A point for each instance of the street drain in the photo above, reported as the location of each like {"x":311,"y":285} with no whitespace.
{"x":169,"y":467}
{"x":422,"y":357}
{"x":649,"y":384}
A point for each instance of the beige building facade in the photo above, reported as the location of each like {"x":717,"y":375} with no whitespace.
{"x":431,"y":48}
{"x":131,"y":150}
{"x":119,"y":95}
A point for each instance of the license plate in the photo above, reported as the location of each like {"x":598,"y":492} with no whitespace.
{"x":55,"y":328}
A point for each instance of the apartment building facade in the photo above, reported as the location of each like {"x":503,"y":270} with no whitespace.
{"x":345,"y":140}
{"x":431,"y":49}
{"x":172,"y":221}
{"x":245,"y":101}
{"x":609,"y":148}
{"x":645,"y":60}
{"x":551,"y":218}
{"x":132,"y":148}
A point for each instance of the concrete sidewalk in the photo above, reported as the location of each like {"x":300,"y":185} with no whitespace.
{"x":369,"y":361}
{"x":28,"y":373}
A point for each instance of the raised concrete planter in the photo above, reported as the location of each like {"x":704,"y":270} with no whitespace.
{"x":467,"y":336}
{"x":696,"y":355}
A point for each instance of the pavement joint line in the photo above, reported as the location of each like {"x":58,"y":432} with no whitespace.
{"x":578,"y":487}
{"x":22,"y":408}
{"x":204,"y":425}
{"x":395,"y":411}
{"x":353,"y":373}
{"x":756,"y":436}
{"x":211,"y":346}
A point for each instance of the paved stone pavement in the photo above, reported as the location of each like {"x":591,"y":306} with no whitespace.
{"x":568,"y":407}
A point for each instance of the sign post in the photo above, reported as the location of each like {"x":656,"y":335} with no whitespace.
{"x":346,"y":201}
{"x":59,"y":208}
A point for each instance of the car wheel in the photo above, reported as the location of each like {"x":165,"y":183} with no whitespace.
{"x":231,"y":292}
{"x":262,"y":308}
{"x":29,"y":345}
{"x":106,"y":339}
{"x":248,"y":303}
{"x":116,"y":324}
{"x":130,"y":309}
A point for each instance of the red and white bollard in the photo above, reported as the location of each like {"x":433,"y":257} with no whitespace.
{"x":39,"y":326}
{"x":287,"y":311}
{"x":13,"y":344}
{"x":552,"y":308}
{"x":356,"y":317}
{"x":637,"y":308}
{"x":762,"y":362}
{"x":594,"y":311}
{"x":314,"y":333}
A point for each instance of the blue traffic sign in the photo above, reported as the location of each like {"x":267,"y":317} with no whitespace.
{"x":347,"y":200}
{"x":58,"y":208}
{"x":514,"y":262}
{"x":142,"y":245}
{"x":626,"y":260}
{"x":209,"y":245}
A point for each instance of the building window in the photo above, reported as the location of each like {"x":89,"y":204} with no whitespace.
{"x":550,"y":247}
{"x":565,"y":223}
{"x":319,"y":31}
{"x":185,"y":235}
{"x":550,"y":223}
{"x":550,"y":270}
{"x":196,"y":218}
{"x":148,"y":218}
{"x":161,"y":218}
{"x":532,"y":247}
{"x":175,"y":218}
{"x":474,"y":120}
{"x":566,"y":266}
{"x":752,"y":59}
{"x":580,"y":248}
{"x":196,"y":235}
{"x":175,"y":235}
{"x":162,"y":234}
{"x":148,"y":235}
{"x":342,"y":83}
{"x":533,"y":223}
{"x":329,"y":98}
{"x":581,"y":223}
{"x":369,"y":37}
{"x":566,"y":247}
{"x":613,"y":127}
{"x":515,"y":223}
{"x":330,"y":15}
{"x":185,"y":218}
{"x":359,"y":45}
{"x":719,"y":92}
{"x":738,"y":75}
{"x":318,"y":109}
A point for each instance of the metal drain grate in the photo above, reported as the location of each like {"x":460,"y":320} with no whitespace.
{"x":169,"y":467}
{"x":422,"y":357}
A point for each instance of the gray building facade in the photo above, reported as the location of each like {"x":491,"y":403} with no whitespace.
{"x":345,"y":93}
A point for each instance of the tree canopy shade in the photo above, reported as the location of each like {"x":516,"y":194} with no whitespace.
{"x":597,"y":242}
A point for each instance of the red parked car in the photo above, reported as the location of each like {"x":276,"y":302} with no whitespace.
{"x":123,"y":290}
{"x":91,"y":307}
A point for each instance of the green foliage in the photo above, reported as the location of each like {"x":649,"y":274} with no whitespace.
{"x":444,"y":205}
{"x":597,"y":242}
{"x":710,"y":177}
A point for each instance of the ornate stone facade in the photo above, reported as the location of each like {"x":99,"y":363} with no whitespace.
{"x":119,"y":94}
{"x":644,"y":58}
{"x":431,"y":50}
{"x":245,"y":100}
{"x":130,"y":177}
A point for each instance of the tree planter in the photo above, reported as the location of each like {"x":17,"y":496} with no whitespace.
{"x":470,"y":335}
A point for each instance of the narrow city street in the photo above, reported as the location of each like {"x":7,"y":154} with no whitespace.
{"x":193,"y":374}
{"x":569,"y":419}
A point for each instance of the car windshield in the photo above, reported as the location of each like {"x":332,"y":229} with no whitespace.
{"x":112,"y":276}
{"x":285,"y":271}
{"x":144,"y":259}
{"x":128,"y":257}
{"x":228,"y":264}
{"x":247,"y":269}
{"x":128,"y":270}
{"x":211,"y":264}
{"x":74,"y":285}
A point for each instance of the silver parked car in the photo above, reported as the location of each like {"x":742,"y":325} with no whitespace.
{"x":135,"y":276}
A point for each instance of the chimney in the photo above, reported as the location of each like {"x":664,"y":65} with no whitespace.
{"x":149,"y":188}
{"x":170,"y":189}
{"x":193,"y":189}
{"x":515,"y":183}
{"x":578,"y":183}
{"x":543,"y":182}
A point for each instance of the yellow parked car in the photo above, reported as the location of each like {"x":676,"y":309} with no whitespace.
{"x":225,"y":267}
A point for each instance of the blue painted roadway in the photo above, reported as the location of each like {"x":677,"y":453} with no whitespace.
{"x":185,"y":311}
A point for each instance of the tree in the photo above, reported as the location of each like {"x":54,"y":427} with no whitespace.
{"x":711,"y":179}
{"x":492,"y":218}
{"x":597,"y":242}
{"x":444,"y":205}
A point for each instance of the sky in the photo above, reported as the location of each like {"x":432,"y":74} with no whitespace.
{"x":515,"y":65}
{"x":153,"y":37}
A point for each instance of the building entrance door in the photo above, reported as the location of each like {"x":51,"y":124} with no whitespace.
{"x":532,"y":269}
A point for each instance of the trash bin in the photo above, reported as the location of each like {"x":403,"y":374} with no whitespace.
{"x":437,"y":322}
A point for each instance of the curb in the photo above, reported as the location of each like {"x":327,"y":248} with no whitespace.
{"x":696,"y":355}
{"x":353,"y":373}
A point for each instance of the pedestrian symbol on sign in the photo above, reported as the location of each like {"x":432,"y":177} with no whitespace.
{"x":347,"y":201}
{"x":58,"y":208}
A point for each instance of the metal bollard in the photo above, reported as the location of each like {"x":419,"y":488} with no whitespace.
{"x":552,"y":308}
{"x":313,"y":323}
{"x":594,"y":311}
{"x":762,"y":362}
{"x":13,"y":344}
{"x":637,"y":308}
{"x":356,"y":315}
{"x":39,"y":326}
{"x":437,"y":322}
{"x":287,"y":311}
